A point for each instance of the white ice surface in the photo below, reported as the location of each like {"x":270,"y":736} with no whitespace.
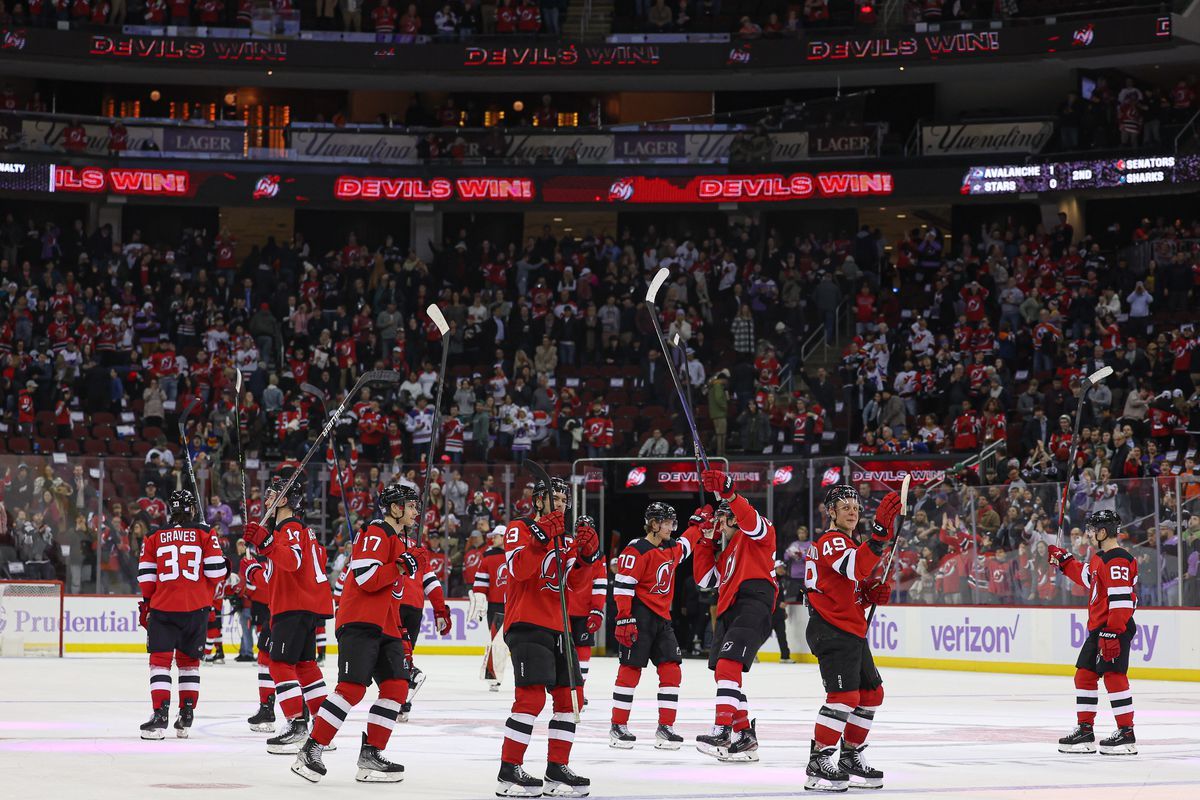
{"x":68,"y":731}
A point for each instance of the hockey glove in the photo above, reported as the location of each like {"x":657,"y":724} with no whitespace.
{"x":594,"y":620}
{"x":718,"y":482}
{"x":1057,"y":556}
{"x":626,"y":632}
{"x":702,"y":517}
{"x":412,"y":562}
{"x":143,"y":612}
{"x":1110,"y":645}
{"x":477,"y":606}
{"x":441,"y":617}
{"x":882,"y":529}
{"x":587,"y":544}
{"x":879,"y":594}
{"x":548,"y":527}
{"x":258,"y":536}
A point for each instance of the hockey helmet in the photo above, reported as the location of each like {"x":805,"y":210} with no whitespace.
{"x":659,"y":511}
{"x":295,"y":499}
{"x":724,"y":510}
{"x":557,"y":485}
{"x":181,"y":504}
{"x":397,"y":493}
{"x":585,"y":521}
{"x":841,"y":492}
{"x":1104,"y":519}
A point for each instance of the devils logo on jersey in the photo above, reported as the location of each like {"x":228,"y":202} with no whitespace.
{"x":730,"y":566}
{"x":549,"y":572}
{"x":502,"y":575}
{"x":663,"y":578}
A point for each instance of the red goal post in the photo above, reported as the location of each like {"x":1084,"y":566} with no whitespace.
{"x":31,"y":618}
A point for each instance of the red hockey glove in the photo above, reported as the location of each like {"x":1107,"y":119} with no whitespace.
{"x":879,"y":594}
{"x":717,"y":482}
{"x":702,"y":517}
{"x":549,"y":527}
{"x":594,"y":620}
{"x":587,"y":544}
{"x":626,"y":632}
{"x":1110,"y":645}
{"x":143,"y":612}
{"x":259,"y":536}
{"x":441,"y":616}
{"x":409,"y":564}
{"x":1057,"y":556}
{"x":882,"y":529}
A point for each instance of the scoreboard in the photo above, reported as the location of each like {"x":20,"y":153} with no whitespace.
{"x":23,"y":176}
{"x":1058,"y":176}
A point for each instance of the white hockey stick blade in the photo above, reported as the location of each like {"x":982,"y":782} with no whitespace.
{"x":904,"y":493}
{"x":1100,"y":375}
{"x":659,"y":279}
{"x":675,"y":341}
{"x":438,"y":318}
{"x":237,"y":383}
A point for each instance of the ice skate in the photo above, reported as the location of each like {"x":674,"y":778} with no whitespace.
{"x":1121,"y":743}
{"x":561,"y":781}
{"x":405,"y":710}
{"x":620,"y":737}
{"x":308,"y":763}
{"x":862,"y":775}
{"x":493,"y":686}
{"x":291,"y":737}
{"x":711,"y":742}
{"x":374,"y":768}
{"x":665,"y":738}
{"x":263,"y":720}
{"x":183,"y":722}
{"x":514,"y":781}
{"x":824,"y":773}
{"x":743,"y":746}
{"x":156,"y":726}
{"x":1080,"y":740}
{"x":415,"y":682}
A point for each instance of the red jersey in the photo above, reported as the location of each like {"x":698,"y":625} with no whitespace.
{"x":647,"y":573}
{"x":385,"y":19}
{"x":1112,"y":576}
{"x":834,"y":565}
{"x":415,"y":589}
{"x":154,"y":507}
{"x":533,"y":585}
{"x":586,"y":599}
{"x":254,"y":581}
{"x":439,"y":565}
{"x":179,"y":569}
{"x":471,"y":560}
{"x":371,"y":585}
{"x":491,"y":578}
{"x":297,"y":571}
{"x":598,"y":431}
{"x":749,"y":556}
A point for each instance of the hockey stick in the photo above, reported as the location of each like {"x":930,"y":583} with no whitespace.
{"x":237,"y":434}
{"x":1085,"y":386}
{"x":887,"y":565}
{"x":379,"y":376}
{"x":187,"y":454}
{"x":682,"y":351}
{"x":439,"y":320}
{"x":655,"y":285}
{"x":309,"y":389}
{"x":540,"y":474}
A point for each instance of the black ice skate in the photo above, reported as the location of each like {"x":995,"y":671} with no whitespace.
{"x":263,"y":720}
{"x":156,"y":726}
{"x":1080,"y":740}
{"x":710,"y":743}
{"x":374,"y":768}
{"x":620,"y":737}
{"x":862,"y":775}
{"x":665,"y":738}
{"x":415,"y":682}
{"x":561,"y":781}
{"x":514,"y":781}
{"x":308,"y":763}
{"x":1121,"y":743}
{"x":405,"y":710}
{"x":291,"y":737}
{"x":824,"y":773}
{"x":183,"y":722}
{"x":217,"y":657}
{"x":742,"y":747}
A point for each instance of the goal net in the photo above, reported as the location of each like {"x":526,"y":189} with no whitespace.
{"x":31,"y":618}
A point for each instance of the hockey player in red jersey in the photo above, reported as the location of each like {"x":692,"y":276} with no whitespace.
{"x":370,"y":642}
{"x":537,"y":552}
{"x":736,"y":555}
{"x":414,"y":591}
{"x":258,"y":595}
{"x":214,"y":645}
{"x":177,"y":571}
{"x":487,"y":603}
{"x":300,"y":602}
{"x":839,"y":587}
{"x":585,"y":607}
{"x":643,"y":588}
{"x":1111,"y":575}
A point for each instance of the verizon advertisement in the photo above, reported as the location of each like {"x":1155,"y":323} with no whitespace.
{"x":985,"y":137}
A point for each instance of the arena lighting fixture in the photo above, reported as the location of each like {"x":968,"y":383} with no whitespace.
{"x":155,"y":95}
{"x":518,"y":106}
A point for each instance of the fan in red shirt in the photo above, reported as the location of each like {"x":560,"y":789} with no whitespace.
{"x":210,"y":11}
{"x":180,"y":11}
{"x":300,"y":603}
{"x":598,"y":431}
{"x":965,"y":429}
{"x":384,"y":17}
{"x":1111,"y":575}
{"x":370,"y":642}
{"x":152,"y":504}
{"x":178,"y":569}
{"x":736,"y":555}
{"x":643,"y":589}
{"x":838,"y":576}
{"x":529,"y":17}
{"x":1060,"y":440}
{"x":974,"y":298}
{"x":75,"y":138}
{"x":488,"y":591}
{"x":767,"y":366}
{"x":542,"y":558}
{"x":506,"y":17}
{"x":410,"y":23}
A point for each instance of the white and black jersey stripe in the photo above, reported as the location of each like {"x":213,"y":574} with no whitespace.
{"x":214,"y":567}
{"x":600,"y":586}
{"x":624,"y":585}
{"x":147,"y":572}
{"x":364,"y":568}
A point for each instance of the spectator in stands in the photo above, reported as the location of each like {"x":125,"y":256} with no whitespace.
{"x":446,"y":22}
{"x":659,"y":17}
{"x":655,"y":446}
{"x":410,"y":23}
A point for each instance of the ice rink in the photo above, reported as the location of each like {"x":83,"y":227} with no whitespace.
{"x":68,"y":730}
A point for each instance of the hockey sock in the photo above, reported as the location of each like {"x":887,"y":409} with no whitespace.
{"x":266,"y":686}
{"x":189,"y":679}
{"x":213,"y":634}
{"x":287,"y":689}
{"x":312,"y":684}
{"x":669,"y":678}
{"x":831,"y":719}
{"x":1117,"y":684}
{"x":729,"y":689}
{"x":741,"y":716}
{"x":160,"y":678}
{"x":332,"y":713}
{"x":562,"y":727}
{"x":321,"y":640}
{"x":858,"y":724}
{"x":584,"y":654}
{"x":1086,"y":696}
{"x":518,"y":729}
{"x":627,"y":681}
{"x":382,"y":716}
